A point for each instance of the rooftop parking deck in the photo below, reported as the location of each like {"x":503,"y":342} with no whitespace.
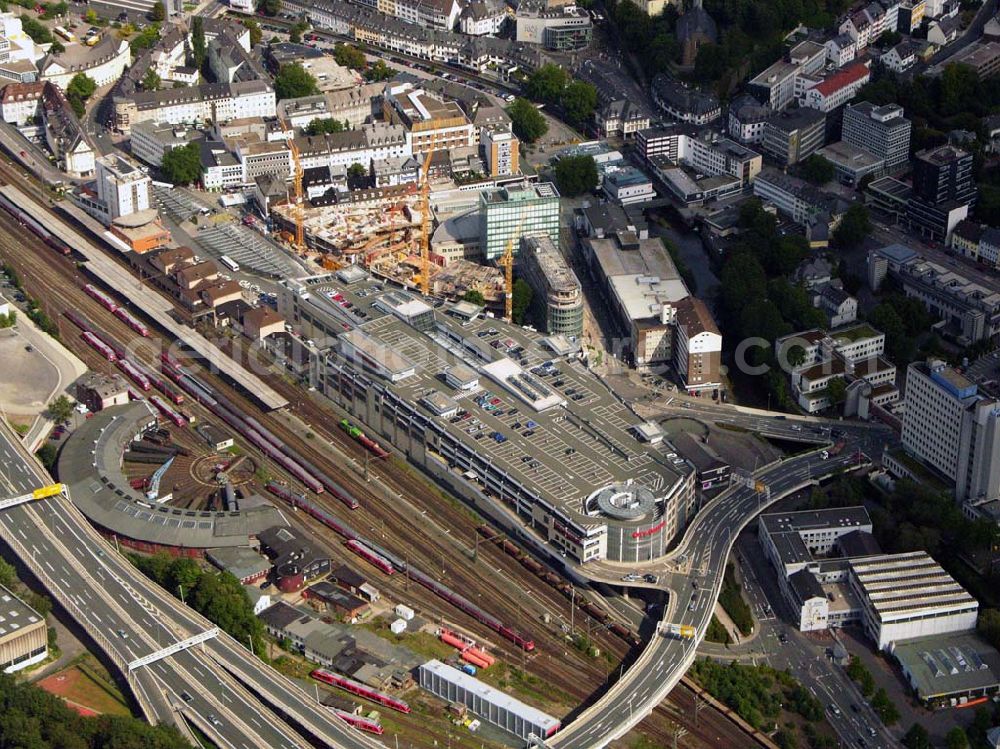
{"x":542,"y":422}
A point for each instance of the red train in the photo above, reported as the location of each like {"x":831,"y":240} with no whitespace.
{"x":133,"y":394}
{"x":107,"y":302}
{"x":106,"y":351}
{"x":336,"y":680}
{"x":370,"y":556}
{"x":362,"y":724}
{"x":135,"y":373}
{"x":167,"y":411}
{"x":122,"y":314}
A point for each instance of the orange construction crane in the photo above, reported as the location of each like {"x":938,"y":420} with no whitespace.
{"x":425,"y":218}
{"x":299,"y":242}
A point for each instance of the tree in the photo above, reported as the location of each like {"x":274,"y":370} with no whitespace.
{"x":47,"y":455}
{"x":474,"y":296}
{"x":81,"y":85}
{"x":527,"y":122}
{"x":578,"y":101}
{"x":956,"y":739}
{"x":8,"y":575}
{"x":61,"y":409}
{"x":269,"y":7}
{"x":145,"y":38}
{"x":295,"y":33}
{"x":199,"y":48}
{"x":294,"y":81}
{"x":151,"y":81}
{"x":90,"y":16}
{"x":817,"y":169}
{"x":325,"y":125}
{"x":379,"y":71}
{"x":159,"y":11}
{"x":357,"y":172}
{"x":39,"y":33}
{"x":853,"y":227}
{"x":576,"y":175}
{"x":350,"y":56}
{"x":182,"y":166}
{"x":521,"y":297}
{"x":546,"y":84}
{"x":256,"y":34}
{"x":837,"y":390}
{"x":884,"y":707}
{"x":9,"y":320}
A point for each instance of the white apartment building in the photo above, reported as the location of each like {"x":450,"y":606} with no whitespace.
{"x":369,"y":143}
{"x":483,"y":17}
{"x":747,"y":119}
{"x":951,"y":427}
{"x":122,"y":187}
{"x":836,"y":89}
{"x":21,"y":103}
{"x":841,"y":50}
{"x":215,"y":102}
{"x":777,"y":85}
{"x":882,"y":131}
{"x":103,"y":63}
{"x":697,"y":346}
{"x":904,"y":596}
{"x":150,"y":140}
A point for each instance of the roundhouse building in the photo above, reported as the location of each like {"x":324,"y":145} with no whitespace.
{"x":536,"y":443}
{"x":90,"y":464}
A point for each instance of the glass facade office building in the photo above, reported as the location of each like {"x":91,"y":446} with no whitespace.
{"x":510,"y":213}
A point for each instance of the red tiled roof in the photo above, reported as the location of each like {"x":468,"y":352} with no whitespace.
{"x":840,"y":79}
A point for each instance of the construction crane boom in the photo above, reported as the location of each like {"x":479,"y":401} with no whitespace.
{"x":506,"y":261}
{"x":299,"y":242}
{"x":425,"y":218}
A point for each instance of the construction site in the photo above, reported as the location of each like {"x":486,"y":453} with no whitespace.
{"x":388,"y":233}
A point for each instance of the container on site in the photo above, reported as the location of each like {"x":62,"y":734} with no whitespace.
{"x":398,"y":626}
{"x":404,"y":612}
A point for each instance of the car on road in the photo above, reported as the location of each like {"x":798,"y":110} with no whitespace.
{"x":123,"y":634}
{"x":186,"y":696}
{"x":782,"y":638}
{"x":835,"y":710}
{"x":694,"y":584}
{"x":631,"y":577}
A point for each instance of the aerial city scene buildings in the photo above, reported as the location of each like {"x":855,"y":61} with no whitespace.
{"x":500,"y":373}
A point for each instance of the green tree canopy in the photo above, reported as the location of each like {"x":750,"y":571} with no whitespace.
{"x":256,"y":33}
{"x":350,"y":56}
{"x":546,"y":84}
{"x":817,"y":169}
{"x":474,"y":296}
{"x":151,"y":81}
{"x":379,"y":71}
{"x":294,"y":81}
{"x":578,"y":102}
{"x":159,"y":12}
{"x":325,"y":125}
{"x":576,"y":175}
{"x":853,"y":227}
{"x":199,"y":47}
{"x":837,"y":390}
{"x":295,"y":33}
{"x":269,"y":7}
{"x":956,"y":739}
{"x":917,"y":738}
{"x":61,"y":409}
{"x":527,"y":122}
{"x":182,"y":166}
{"x":521,"y":297}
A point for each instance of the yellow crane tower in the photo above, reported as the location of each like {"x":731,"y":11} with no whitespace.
{"x":297,"y":210}
{"x":425,"y":218}
{"x":506,"y":261}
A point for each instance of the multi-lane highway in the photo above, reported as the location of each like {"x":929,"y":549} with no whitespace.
{"x":219,"y":686}
{"x":692,"y":575}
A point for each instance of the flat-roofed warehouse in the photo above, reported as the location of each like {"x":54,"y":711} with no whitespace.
{"x":533,"y":441}
{"x":909,"y":595}
{"x":492,"y":705}
{"x":949,"y":670}
{"x":23,"y":635}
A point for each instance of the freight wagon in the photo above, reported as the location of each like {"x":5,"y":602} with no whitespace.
{"x":369,"y":444}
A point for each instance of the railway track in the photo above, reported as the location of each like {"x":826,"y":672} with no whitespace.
{"x":510,"y":591}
